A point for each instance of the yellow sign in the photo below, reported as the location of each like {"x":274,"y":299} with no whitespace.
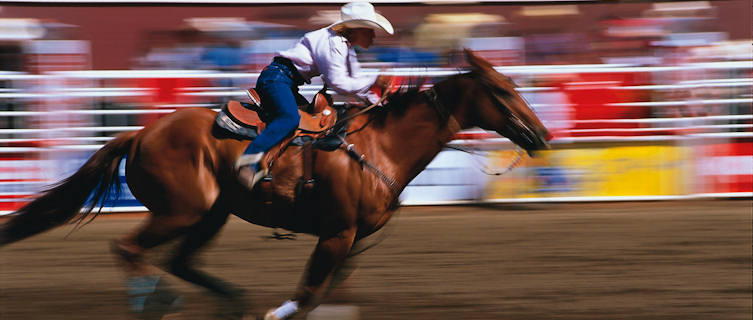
{"x":593,"y":172}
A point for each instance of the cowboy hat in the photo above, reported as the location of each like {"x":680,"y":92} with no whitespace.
{"x":362,"y":15}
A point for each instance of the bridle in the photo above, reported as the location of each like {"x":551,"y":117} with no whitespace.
{"x":452,"y":124}
{"x":516,"y":124}
{"x":446,"y":119}
{"x":484,"y":168}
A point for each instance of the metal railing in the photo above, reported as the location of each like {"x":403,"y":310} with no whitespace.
{"x":726,"y":88}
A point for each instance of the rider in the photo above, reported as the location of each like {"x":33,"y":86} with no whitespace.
{"x":327,"y":52}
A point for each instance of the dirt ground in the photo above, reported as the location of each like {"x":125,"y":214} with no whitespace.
{"x":647,"y":260}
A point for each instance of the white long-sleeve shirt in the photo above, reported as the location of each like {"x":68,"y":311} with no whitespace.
{"x":323,"y":52}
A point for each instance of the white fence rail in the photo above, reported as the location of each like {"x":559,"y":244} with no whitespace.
{"x":688,"y":107}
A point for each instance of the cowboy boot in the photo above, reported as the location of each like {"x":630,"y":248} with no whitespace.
{"x":248,"y":170}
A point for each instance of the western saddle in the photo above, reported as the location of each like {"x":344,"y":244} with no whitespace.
{"x":242,"y":119}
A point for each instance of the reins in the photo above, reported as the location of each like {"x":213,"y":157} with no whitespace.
{"x":444,"y":115}
{"x":340,"y":122}
{"x":484,"y":168}
{"x":362,"y":111}
{"x":445,"y":119}
{"x":350,"y":148}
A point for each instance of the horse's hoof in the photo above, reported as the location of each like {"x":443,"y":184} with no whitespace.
{"x":151,"y":297}
{"x":162,"y":301}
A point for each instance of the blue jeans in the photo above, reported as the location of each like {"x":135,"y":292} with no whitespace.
{"x":278,"y":93}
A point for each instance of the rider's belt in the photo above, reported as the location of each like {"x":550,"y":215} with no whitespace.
{"x":296,"y":76}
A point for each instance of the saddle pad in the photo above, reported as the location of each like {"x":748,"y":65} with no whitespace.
{"x":244,"y":114}
{"x":239,"y":119}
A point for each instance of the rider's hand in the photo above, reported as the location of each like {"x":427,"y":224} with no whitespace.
{"x":385,"y":85}
{"x":380,"y":88}
{"x":383,"y":81}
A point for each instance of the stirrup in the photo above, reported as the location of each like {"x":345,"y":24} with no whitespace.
{"x":245,"y":168}
{"x":249,"y":177}
{"x":248,"y":159}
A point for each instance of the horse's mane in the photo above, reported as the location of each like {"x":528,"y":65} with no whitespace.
{"x":399,"y":101}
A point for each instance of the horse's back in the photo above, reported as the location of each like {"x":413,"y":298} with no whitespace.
{"x":187,"y":124}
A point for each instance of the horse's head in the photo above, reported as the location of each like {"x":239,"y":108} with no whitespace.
{"x":499,"y":107}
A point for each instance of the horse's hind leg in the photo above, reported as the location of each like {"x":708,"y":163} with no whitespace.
{"x":181,"y":263}
{"x":197,"y":236}
{"x":156,"y":231}
{"x":148,"y":293}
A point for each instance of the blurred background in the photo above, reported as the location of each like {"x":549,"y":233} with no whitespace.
{"x":646,"y":100}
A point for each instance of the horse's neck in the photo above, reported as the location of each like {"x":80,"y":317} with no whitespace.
{"x":410,"y":141}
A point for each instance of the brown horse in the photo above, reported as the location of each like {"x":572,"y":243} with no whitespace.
{"x":180,"y":168}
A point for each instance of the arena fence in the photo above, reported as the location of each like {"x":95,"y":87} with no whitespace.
{"x":622,"y":132}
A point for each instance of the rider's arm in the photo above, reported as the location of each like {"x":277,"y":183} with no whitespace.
{"x":341,"y":71}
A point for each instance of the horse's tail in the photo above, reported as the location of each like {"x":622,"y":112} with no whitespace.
{"x":64,"y":201}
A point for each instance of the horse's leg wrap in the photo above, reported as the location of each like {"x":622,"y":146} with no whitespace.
{"x":151,"y":294}
{"x":138,"y":289}
{"x":285,"y":311}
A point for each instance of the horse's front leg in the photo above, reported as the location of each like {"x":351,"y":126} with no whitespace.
{"x":330,"y":253}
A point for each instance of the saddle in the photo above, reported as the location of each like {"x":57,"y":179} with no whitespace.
{"x":244,"y":118}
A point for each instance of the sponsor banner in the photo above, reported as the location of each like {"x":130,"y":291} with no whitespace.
{"x":593,"y":172}
{"x":725,"y":168}
{"x":21,"y":180}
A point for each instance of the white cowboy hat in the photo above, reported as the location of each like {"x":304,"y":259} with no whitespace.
{"x":362,"y":15}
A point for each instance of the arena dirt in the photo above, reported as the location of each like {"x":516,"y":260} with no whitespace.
{"x":647,"y":260}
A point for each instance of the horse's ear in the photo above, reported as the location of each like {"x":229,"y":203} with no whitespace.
{"x":476,"y":62}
